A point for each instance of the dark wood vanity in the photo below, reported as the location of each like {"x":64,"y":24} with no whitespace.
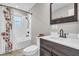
{"x":48,"y":48}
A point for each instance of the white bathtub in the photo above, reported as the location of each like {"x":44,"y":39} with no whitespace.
{"x":21,"y":43}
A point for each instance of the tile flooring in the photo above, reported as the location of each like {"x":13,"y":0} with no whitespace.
{"x":18,"y":52}
{"x":14,"y":53}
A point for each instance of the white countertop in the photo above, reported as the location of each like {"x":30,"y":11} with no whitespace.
{"x":73,"y":43}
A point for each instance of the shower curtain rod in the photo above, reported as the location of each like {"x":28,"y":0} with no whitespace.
{"x":16,"y":8}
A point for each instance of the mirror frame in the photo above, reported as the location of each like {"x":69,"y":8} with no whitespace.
{"x":64,"y":19}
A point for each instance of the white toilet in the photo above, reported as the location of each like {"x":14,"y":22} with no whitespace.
{"x":32,"y":50}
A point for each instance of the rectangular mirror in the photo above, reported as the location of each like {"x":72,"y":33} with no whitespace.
{"x":63,"y":12}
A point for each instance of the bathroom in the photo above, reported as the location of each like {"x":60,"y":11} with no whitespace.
{"x":33,"y":32}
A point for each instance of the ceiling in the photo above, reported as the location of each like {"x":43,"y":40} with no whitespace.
{"x":22,"y":6}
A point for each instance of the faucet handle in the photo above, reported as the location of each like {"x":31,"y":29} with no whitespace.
{"x":65,"y":35}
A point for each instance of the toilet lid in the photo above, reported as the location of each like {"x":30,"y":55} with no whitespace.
{"x":30,"y":48}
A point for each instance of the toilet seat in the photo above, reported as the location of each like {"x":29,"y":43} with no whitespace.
{"x":31,"y":50}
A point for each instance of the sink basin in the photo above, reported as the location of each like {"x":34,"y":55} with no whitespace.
{"x":58,"y":38}
{"x":54,"y":37}
{"x":65,"y":40}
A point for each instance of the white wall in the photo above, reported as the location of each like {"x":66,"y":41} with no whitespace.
{"x":71,"y":27}
{"x":40,"y":20}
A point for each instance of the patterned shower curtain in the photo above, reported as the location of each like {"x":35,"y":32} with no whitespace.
{"x":6,"y":34}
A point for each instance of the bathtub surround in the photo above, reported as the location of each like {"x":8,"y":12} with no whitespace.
{"x":20,"y":32}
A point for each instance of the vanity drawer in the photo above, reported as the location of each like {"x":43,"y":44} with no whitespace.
{"x":58,"y":48}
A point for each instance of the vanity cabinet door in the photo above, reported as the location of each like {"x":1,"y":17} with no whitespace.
{"x":44,"y":49}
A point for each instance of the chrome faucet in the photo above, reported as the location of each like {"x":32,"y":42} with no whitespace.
{"x":62,"y":34}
